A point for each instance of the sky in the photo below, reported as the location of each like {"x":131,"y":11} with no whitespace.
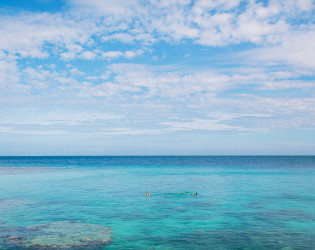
{"x":157,"y":77}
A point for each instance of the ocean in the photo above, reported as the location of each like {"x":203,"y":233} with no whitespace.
{"x":242,"y":202}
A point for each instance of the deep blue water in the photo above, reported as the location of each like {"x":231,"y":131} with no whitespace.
{"x":243,"y":202}
{"x":162,"y":161}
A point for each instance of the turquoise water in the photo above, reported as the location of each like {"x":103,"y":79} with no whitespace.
{"x":242,"y":202}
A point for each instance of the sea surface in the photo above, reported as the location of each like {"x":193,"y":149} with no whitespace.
{"x":242,"y":202}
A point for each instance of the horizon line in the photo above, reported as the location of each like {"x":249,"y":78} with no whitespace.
{"x":157,"y":155}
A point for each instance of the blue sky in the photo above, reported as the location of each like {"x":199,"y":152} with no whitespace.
{"x":157,"y":77}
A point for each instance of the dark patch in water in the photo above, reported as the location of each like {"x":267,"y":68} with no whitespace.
{"x":128,"y":216}
{"x":289,"y":196}
{"x":246,"y":239}
{"x":201,"y":205}
{"x":55,"y":235}
{"x":284,"y":215}
{"x":197,"y":218}
{"x":8,"y":203}
{"x":181,"y":209}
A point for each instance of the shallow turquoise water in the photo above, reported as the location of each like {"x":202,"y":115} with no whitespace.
{"x":242,"y":202}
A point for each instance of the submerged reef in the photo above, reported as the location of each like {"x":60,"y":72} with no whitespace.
{"x":60,"y":235}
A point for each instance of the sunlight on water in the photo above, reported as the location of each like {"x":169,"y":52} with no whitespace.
{"x":244,"y":203}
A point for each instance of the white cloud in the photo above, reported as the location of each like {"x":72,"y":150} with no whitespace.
{"x":117,"y":10}
{"x":10,"y":77}
{"x":76,"y":72}
{"x":53,"y":116}
{"x":34,"y":131}
{"x":123,"y":37}
{"x":88,"y":55}
{"x":129,"y":54}
{"x":165,"y":82}
{"x":43,"y":78}
{"x":68,"y":55}
{"x":112,"y":54}
{"x":210,"y":23}
{"x":305,"y":5}
{"x":129,"y":131}
{"x":151,"y":82}
{"x":207,"y":22}
{"x":132,"y":54}
{"x":9,"y":74}
{"x":27,"y":34}
{"x":297,"y":49}
{"x":88,"y":28}
{"x":199,"y":124}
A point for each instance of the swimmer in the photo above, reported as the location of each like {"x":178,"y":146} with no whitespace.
{"x":194,"y":193}
{"x":147,"y":194}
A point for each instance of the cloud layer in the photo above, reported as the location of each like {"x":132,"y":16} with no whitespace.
{"x":158,"y":67}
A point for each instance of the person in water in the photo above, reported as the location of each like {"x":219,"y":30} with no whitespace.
{"x":147,"y":194}
{"x":188,"y":193}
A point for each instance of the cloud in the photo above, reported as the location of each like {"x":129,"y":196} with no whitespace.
{"x":273,"y":81}
{"x":117,"y":10}
{"x":43,"y":78}
{"x":10,"y":77}
{"x":76,"y":72}
{"x":52,"y":117}
{"x":31,"y":34}
{"x":132,"y":54}
{"x":88,"y":55}
{"x":199,"y":124}
{"x":116,"y":54}
{"x":77,"y":32}
{"x":9,"y":74}
{"x":211,"y":23}
{"x":169,"y":82}
{"x":149,"y":82}
{"x":127,"y":84}
{"x":296,"y":49}
{"x":112,"y":54}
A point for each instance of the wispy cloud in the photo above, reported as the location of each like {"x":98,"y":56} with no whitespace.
{"x":204,"y":22}
{"x":199,"y":124}
{"x":296,"y":49}
{"x":103,"y":67}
